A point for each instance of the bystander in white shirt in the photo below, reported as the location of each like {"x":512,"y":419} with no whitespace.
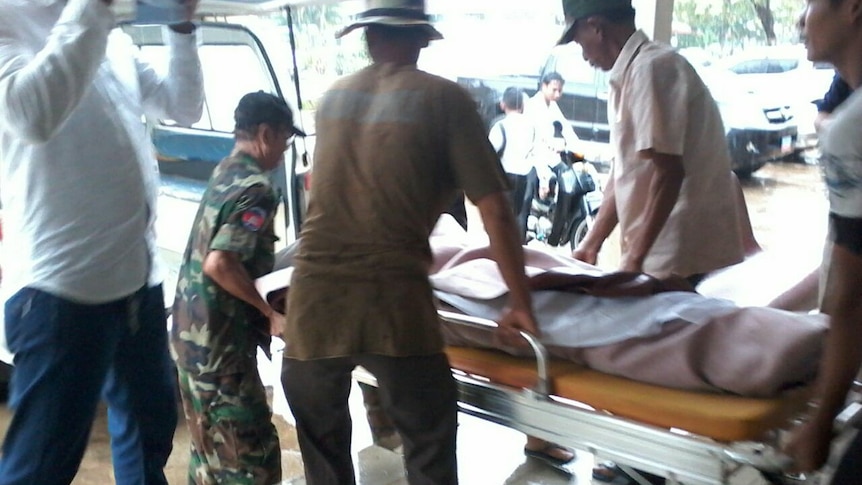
{"x":79,"y":176}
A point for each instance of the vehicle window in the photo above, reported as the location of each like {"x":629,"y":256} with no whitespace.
{"x":572,"y":66}
{"x":222,"y":88}
{"x":782,"y":65}
{"x":755,"y":66}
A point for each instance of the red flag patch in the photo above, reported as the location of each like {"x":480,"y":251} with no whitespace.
{"x":253,"y":219}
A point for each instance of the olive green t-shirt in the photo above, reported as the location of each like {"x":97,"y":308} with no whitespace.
{"x":394,"y":147}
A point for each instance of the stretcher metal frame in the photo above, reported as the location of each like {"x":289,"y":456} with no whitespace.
{"x":676,"y":455}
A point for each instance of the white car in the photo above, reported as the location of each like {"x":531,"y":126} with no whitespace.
{"x":785,"y":73}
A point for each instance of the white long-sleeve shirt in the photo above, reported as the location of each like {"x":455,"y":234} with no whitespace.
{"x":544,"y":114}
{"x":79,"y":179}
{"x":515,"y":135}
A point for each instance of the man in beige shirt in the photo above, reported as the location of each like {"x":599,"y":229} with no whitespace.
{"x":671,"y":188}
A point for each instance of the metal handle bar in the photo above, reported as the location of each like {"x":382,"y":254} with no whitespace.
{"x":542,"y":384}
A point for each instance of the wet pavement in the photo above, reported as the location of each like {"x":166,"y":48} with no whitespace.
{"x":788,"y":210}
{"x":788,"y":206}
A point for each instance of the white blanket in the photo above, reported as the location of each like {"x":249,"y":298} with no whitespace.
{"x":676,"y":339}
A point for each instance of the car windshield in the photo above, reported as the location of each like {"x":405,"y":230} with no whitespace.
{"x":571,"y":65}
{"x":724,"y":85}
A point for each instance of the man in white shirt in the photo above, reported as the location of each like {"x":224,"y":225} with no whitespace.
{"x":513,"y":137}
{"x":554,"y":133}
{"x":832,"y":30}
{"x":671,"y":189}
{"x":85,"y":314}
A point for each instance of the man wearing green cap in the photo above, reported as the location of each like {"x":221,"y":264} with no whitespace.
{"x":671,"y":189}
{"x":219,"y":318}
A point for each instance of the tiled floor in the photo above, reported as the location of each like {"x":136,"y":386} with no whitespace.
{"x":488,"y":454}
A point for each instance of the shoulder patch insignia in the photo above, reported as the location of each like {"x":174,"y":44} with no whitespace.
{"x":253,"y":218}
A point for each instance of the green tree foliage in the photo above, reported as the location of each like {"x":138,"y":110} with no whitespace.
{"x":767,"y":19}
{"x":728,"y":25}
{"x":320,"y":57}
{"x":317,"y":15}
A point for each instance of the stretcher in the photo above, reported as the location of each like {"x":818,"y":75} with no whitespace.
{"x":686,"y":437}
{"x":694,"y":438}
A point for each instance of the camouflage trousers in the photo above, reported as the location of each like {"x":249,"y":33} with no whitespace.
{"x":233,"y":440}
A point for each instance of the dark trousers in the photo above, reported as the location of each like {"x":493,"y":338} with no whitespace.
{"x":67,"y":356}
{"x":458,"y":210}
{"x":524,"y":187}
{"x":849,"y":469}
{"x":418,"y":394}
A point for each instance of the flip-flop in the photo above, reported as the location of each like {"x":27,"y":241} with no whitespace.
{"x":606,"y":471}
{"x":543,"y":455}
{"x":609,"y":471}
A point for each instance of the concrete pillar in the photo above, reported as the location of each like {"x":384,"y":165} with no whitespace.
{"x":655,"y":17}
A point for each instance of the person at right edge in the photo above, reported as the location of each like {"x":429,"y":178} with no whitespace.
{"x":832,"y":30}
{"x":671,"y":189}
{"x":395,"y":145}
{"x":837,"y":93}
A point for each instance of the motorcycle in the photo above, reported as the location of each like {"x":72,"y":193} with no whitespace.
{"x":567,"y":209}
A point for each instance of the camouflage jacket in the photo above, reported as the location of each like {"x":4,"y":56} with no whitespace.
{"x":213,"y":331}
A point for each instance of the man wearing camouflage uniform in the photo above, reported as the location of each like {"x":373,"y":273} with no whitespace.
{"x":219,"y":317}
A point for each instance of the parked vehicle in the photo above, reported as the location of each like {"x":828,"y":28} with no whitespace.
{"x":187,"y":156}
{"x":564,"y":209}
{"x":784,"y":73}
{"x":757,"y":130}
{"x":579,"y":198}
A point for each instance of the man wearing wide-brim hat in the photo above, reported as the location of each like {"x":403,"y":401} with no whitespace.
{"x":671,"y":189}
{"x":395,"y":146}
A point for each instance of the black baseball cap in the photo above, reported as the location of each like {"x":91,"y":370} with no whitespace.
{"x":260,"y":107}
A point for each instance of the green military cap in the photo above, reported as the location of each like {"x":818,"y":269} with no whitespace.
{"x":578,"y":9}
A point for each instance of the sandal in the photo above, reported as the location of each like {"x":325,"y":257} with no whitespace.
{"x":606,"y":471}
{"x":547,"y":454}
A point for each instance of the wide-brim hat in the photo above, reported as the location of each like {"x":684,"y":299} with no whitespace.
{"x":395,"y":13}
{"x":574,"y":10}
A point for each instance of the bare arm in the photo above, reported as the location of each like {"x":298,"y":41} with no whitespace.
{"x":842,"y":355}
{"x":801,"y":297}
{"x":821,"y":120}
{"x":506,"y":249}
{"x":663,"y":193}
{"x":606,"y":220}
{"x":225,"y":268}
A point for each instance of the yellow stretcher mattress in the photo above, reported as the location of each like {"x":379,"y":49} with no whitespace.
{"x":721,"y":417}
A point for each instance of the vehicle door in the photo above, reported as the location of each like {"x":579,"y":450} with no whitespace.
{"x":234,"y":62}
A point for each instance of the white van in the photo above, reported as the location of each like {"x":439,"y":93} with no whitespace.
{"x":234,"y":62}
